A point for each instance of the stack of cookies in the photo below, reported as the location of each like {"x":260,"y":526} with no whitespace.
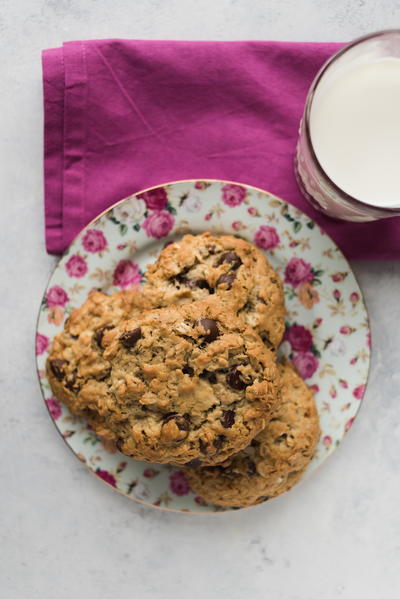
{"x":184,"y":371}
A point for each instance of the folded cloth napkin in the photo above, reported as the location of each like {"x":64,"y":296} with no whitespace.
{"x":123,"y":115}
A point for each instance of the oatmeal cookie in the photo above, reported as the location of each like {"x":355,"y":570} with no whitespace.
{"x":188,"y":384}
{"x":274,"y":461}
{"x":184,"y":384}
{"x":198,"y":266}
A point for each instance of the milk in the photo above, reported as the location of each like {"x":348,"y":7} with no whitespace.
{"x":355,"y":130}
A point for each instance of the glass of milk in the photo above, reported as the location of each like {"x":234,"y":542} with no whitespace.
{"x":348,"y":153}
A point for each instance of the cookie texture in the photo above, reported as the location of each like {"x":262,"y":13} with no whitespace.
{"x":198,"y":266}
{"x":274,"y":461}
{"x":183,"y":385}
{"x":76,"y":359}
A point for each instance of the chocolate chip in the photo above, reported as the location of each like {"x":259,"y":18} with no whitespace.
{"x":230,"y":258}
{"x":187,"y":281}
{"x":203,"y":447}
{"x":57,"y":368}
{"x":251,"y":468}
{"x":255,"y":443}
{"x":188,"y":370}
{"x":218,"y":442}
{"x":193,"y":463}
{"x":99,"y":334}
{"x":266,"y":340}
{"x":170,"y":416}
{"x":209,"y":376}
{"x":130,"y":338}
{"x":234,"y":380}
{"x":182,"y":422}
{"x":211,"y":248}
{"x":211,"y":328}
{"x":263,"y":498}
{"x":183,"y":279}
{"x":226,"y":279}
{"x":228,"y":419}
{"x":203,"y":284}
{"x":207,"y":449}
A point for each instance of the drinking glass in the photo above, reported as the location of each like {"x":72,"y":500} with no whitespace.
{"x":321,"y":191}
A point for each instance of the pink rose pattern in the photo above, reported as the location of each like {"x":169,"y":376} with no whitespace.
{"x":126,"y":274}
{"x":359,"y":391}
{"x":42,"y":343}
{"x":327,"y":440}
{"x":107,"y":477}
{"x":233,"y":195}
{"x":158,"y":222}
{"x":237,"y":225}
{"x":150,"y":472}
{"x":299,"y":337}
{"x":306,"y":364}
{"x":155,"y":199}
{"x":56,"y":296}
{"x":76,"y":266}
{"x":303,"y":352}
{"x":266,"y":238}
{"x":94,"y":241}
{"x":178,"y":483}
{"x":298,"y":271}
{"x":54,"y":408}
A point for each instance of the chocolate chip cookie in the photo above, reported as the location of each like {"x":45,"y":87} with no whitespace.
{"x":274,"y":461}
{"x":181,"y":385}
{"x":76,"y":359}
{"x":199,"y":266}
{"x":190,"y":384}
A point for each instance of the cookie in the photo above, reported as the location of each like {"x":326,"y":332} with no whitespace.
{"x":274,"y":461}
{"x":190,"y":384}
{"x":199,"y":266}
{"x":76,"y":356}
{"x":185,"y":384}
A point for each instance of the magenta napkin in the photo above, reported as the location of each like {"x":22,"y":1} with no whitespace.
{"x":123,"y":115}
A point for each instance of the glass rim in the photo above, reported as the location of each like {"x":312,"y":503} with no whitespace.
{"x":307,"y":114}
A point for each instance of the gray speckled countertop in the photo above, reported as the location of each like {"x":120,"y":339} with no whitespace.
{"x":65,"y":535}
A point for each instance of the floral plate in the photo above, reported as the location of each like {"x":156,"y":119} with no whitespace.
{"x":327,"y":336}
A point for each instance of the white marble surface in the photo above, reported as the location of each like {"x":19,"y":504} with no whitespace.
{"x":64,"y":534}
